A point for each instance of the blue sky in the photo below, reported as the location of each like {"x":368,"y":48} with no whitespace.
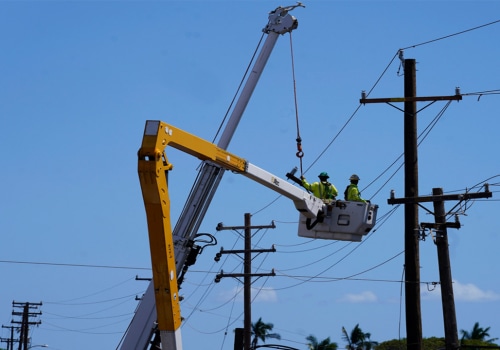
{"x":79,"y":80}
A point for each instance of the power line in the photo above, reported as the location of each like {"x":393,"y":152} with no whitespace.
{"x":451,"y":35}
{"x":73,"y":265}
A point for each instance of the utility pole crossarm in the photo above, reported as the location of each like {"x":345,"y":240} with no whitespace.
{"x":236,"y":275}
{"x":220,"y":227}
{"x":446,"y":197}
{"x":410,"y":99}
{"x":241,"y":251}
{"x":439,"y":226}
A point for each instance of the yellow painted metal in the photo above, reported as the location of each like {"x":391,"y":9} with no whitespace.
{"x":152,"y":168}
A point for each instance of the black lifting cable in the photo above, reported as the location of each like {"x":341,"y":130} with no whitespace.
{"x":299,"y":153}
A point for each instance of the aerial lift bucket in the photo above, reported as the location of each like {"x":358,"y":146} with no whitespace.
{"x":343,"y":221}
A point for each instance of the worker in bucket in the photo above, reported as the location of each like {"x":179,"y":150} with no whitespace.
{"x":322,"y":189}
{"x":352,"y":192}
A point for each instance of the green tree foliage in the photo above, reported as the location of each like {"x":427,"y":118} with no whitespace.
{"x":474,"y":344}
{"x":477,"y":333}
{"x":358,"y":340}
{"x":325,"y":344}
{"x":432,"y":343}
{"x":261,"y":330}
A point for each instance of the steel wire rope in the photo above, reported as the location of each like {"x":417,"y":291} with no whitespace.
{"x":299,"y":153}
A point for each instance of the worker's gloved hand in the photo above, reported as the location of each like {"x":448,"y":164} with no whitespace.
{"x":302,"y":177}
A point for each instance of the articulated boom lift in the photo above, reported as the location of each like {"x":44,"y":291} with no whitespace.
{"x":340,"y":220}
{"x":172,"y":252}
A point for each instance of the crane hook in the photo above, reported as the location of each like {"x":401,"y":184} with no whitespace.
{"x":299,"y":153}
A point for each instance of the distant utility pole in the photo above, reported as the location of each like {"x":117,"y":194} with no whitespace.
{"x":25,"y":321}
{"x":412,"y":253}
{"x":247,"y":276}
{"x":440,"y":226}
{"x":10,"y":341}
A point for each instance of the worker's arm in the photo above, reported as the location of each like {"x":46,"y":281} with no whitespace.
{"x":335,"y":193}
{"x":306,"y":184}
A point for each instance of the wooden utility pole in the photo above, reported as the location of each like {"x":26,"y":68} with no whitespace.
{"x":412,"y":253}
{"x":447,"y":297}
{"x":440,"y":225}
{"x":247,"y":275}
{"x":10,"y":341}
{"x":25,"y":322}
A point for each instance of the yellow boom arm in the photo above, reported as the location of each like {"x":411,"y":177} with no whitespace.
{"x":152,"y":168}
